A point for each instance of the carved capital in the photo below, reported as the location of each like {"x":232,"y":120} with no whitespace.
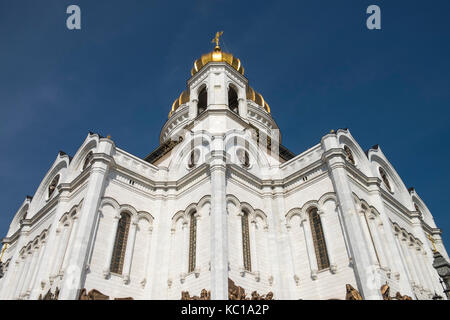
{"x":314,"y":274}
{"x":270,"y":279}
{"x":297,"y":280}
{"x":333,"y":268}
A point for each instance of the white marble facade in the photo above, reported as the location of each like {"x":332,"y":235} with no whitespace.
{"x":375,"y":230}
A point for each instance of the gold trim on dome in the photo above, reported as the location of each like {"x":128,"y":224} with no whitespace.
{"x":182,"y":99}
{"x":257,"y":98}
{"x":217,"y":56}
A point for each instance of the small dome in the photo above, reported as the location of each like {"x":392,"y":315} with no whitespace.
{"x":217,"y":56}
{"x":182,"y":99}
{"x":257,"y":98}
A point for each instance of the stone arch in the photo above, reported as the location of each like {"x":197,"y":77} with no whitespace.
{"x":89,"y":145}
{"x":292,"y":213}
{"x":346,"y":139}
{"x":21,"y":214}
{"x":59,"y":167}
{"x":236,"y":140}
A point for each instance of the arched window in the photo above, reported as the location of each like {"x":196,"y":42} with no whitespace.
{"x":193,"y":158}
{"x":246,"y":242}
{"x":87,"y":160}
{"x":120,"y":244}
{"x":349,"y":155}
{"x":385,"y":179}
{"x":233,"y":103}
{"x":53,"y":185}
{"x":202,"y":100}
{"x":192,"y":241}
{"x":320,"y":246}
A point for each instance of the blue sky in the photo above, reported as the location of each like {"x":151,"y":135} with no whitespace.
{"x":315,"y":63}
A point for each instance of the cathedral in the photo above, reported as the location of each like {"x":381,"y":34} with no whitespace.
{"x":222,"y":210}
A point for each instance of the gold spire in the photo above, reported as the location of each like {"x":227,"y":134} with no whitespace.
{"x":433,"y":242}
{"x":216,"y":38}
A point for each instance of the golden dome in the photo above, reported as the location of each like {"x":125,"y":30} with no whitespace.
{"x":257,"y":98}
{"x":217,"y":56}
{"x":183,"y":98}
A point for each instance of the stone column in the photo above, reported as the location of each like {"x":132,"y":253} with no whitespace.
{"x":219,"y":223}
{"x":416,"y":264}
{"x":49,"y":259}
{"x":239,"y":230}
{"x":62,"y":254}
{"x":386,"y":248}
{"x":193,"y":108}
{"x":364,"y":273}
{"x":291,"y":251}
{"x":147,"y":256}
{"x":409,"y":262}
{"x":18,"y":281}
{"x":310,"y":247}
{"x":29,"y":276}
{"x":242,"y":107}
{"x":9,"y":281}
{"x":428,"y":283}
{"x":368,"y":237}
{"x":253,"y":249}
{"x":162,"y":272}
{"x":70,"y":243}
{"x":403,"y":258}
{"x":24,"y":274}
{"x":281,"y":265}
{"x":34,"y":285}
{"x":129,"y":251}
{"x":328,"y":240}
{"x":185,"y":228}
{"x":171,"y":266}
{"x":110,"y":248}
{"x":55,"y":254}
{"x":88,"y":217}
{"x":376,"y":239}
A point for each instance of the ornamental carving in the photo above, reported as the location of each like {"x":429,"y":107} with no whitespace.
{"x":385,"y":293}
{"x":398,"y":296}
{"x":49,"y":295}
{"x":204,"y":295}
{"x":385,"y":290}
{"x":92,"y":295}
{"x":352,"y":293}
{"x":238,"y":293}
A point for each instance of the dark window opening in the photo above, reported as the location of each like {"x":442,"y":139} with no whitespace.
{"x":202,"y":100}
{"x":233,"y":102}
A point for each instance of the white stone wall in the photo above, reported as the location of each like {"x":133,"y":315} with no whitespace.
{"x":373,"y":234}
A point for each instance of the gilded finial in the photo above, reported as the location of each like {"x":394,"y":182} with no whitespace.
{"x":3,"y":251}
{"x":217,"y":38}
{"x":332,"y":131}
{"x":108,"y":137}
{"x":433,"y":242}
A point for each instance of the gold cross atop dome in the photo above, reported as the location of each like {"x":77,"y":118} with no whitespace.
{"x":217,"y":38}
